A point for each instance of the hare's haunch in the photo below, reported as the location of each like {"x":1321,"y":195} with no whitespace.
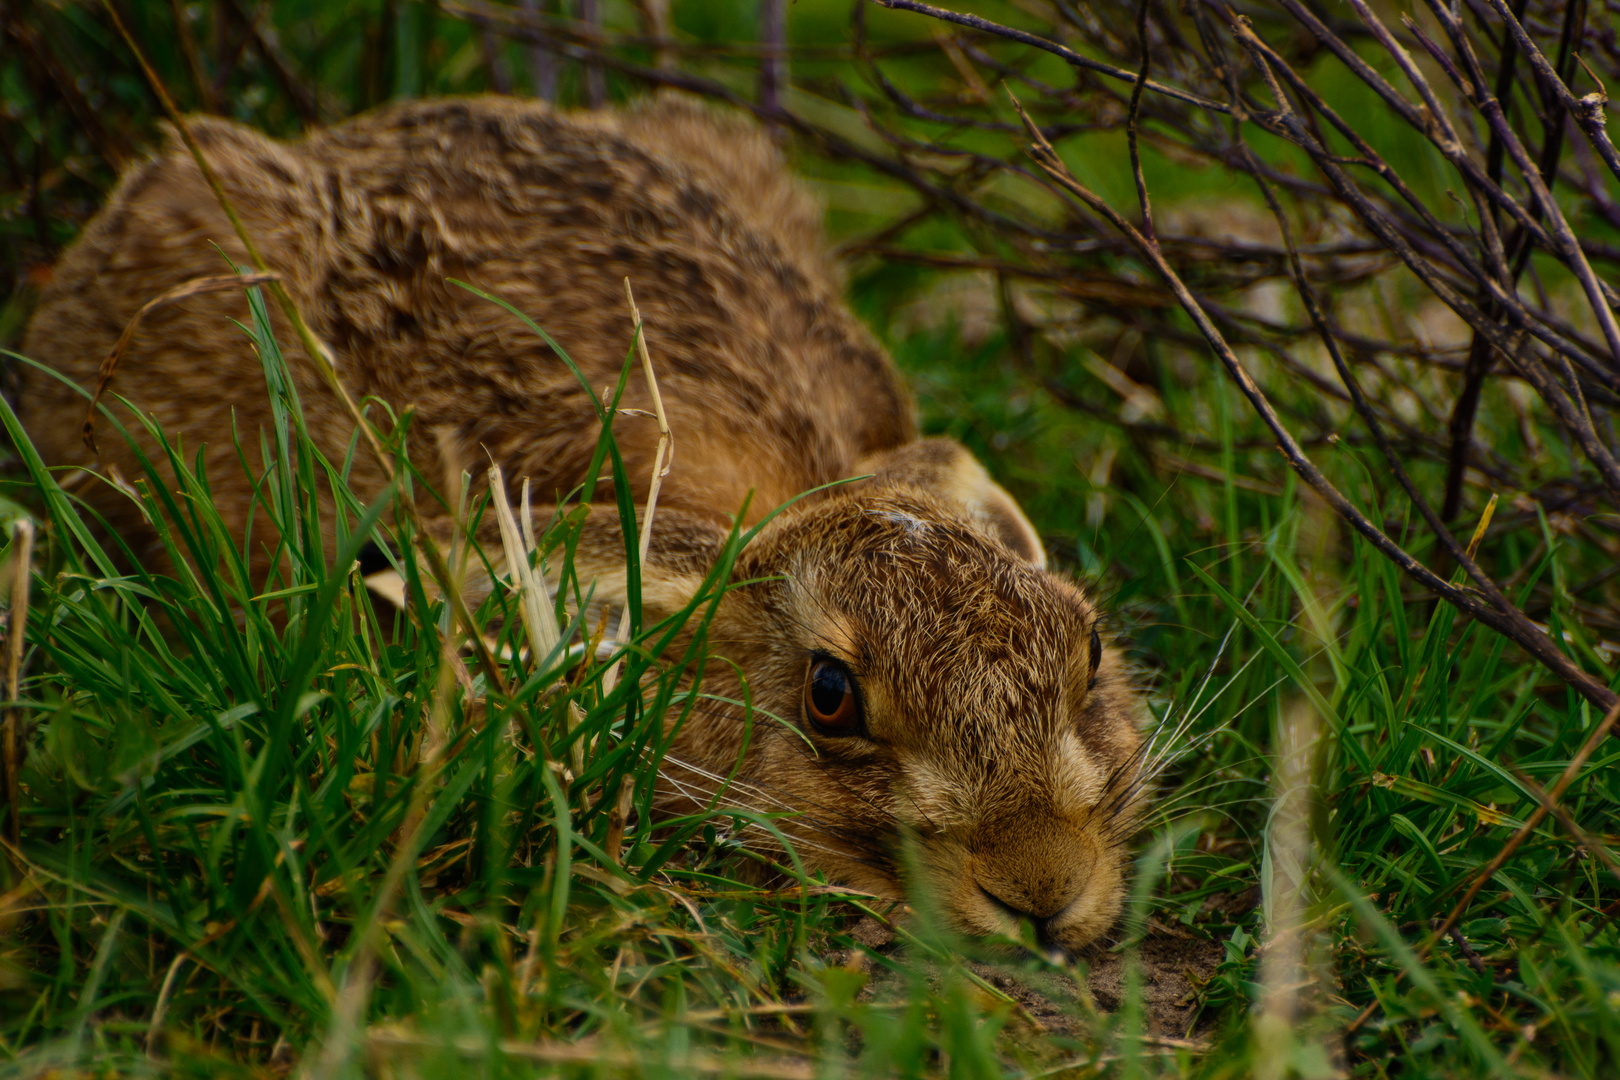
{"x":946,"y":686}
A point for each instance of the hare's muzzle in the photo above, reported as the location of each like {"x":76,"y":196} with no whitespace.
{"x":1053,"y":874}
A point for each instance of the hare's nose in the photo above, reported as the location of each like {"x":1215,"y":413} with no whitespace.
{"x":1039,"y":922}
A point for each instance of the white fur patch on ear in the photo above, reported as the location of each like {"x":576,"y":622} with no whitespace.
{"x":915,"y":527}
{"x":944,"y":469}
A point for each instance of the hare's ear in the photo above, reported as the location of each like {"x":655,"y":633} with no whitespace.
{"x":944,"y":469}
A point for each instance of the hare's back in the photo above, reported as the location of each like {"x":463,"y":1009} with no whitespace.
{"x":769,"y":382}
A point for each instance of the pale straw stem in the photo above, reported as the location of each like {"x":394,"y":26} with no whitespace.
{"x":22,"y":560}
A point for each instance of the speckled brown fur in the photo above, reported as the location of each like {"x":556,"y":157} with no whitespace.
{"x":988,"y":737}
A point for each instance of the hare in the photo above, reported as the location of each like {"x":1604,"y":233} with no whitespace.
{"x":945,"y":686}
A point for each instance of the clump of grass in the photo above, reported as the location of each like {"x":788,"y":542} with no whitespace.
{"x":264,"y":822}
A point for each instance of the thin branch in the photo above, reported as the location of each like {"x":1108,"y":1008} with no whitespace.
{"x":1135,"y":118}
{"x":275,"y":58}
{"x":1587,"y":110}
{"x":1532,"y":641}
{"x":773,"y":65}
{"x":974,"y":22}
{"x":1488,"y":871}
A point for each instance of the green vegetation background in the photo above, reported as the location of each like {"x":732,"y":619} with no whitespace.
{"x":249,"y":845}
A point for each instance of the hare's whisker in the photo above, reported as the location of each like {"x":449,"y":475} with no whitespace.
{"x":800,"y":814}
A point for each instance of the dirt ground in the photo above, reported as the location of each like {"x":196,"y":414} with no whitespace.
{"x":1173,"y":966}
{"x":1169,"y":967}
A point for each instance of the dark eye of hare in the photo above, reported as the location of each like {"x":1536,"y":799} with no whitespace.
{"x":829,"y":699}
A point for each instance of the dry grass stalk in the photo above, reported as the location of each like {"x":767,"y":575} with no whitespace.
{"x":1591,"y":843}
{"x":154,"y":1027}
{"x":1283,"y":973}
{"x":22,"y":560}
{"x":662,"y":457}
{"x":1548,"y":801}
{"x":534,"y":599}
{"x":195,"y":287}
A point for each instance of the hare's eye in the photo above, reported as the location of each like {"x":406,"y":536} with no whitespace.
{"x":829,"y":699}
{"x":1096,"y":658}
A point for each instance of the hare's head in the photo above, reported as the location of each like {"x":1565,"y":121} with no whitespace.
{"x":931,"y":684}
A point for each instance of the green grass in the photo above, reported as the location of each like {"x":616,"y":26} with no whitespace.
{"x":266,"y":829}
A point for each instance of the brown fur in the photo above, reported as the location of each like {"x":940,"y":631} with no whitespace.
{"x":988,"y":737}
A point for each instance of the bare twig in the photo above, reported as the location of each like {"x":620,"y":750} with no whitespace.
{"x":206,"y":97}
{"x":655,"y":14}
{"x":49,"y":69}
{"x":590,"y":17}
{"x":1569,"y":824}
{"x":276,"y":59}
{"x":1135,"y":118}
{"x":495,"y":65}
{"x":773,"y":65}
{"x":1548,"y":803}
{"x":1563,"y":235}
{"x":542,"y":60}
{"x":974,"y":22}
{"x":1330,"y":341}
{"x":1480,"y":353}
{"x":1587,"y":110}
{"x":1531,"y":640}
